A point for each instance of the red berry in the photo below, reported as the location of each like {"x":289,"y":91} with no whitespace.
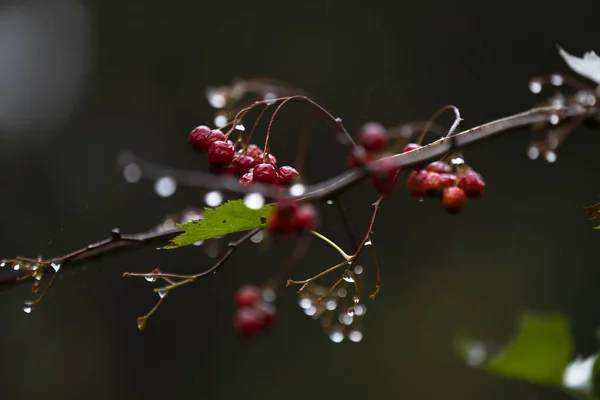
{"x":286,"y":174}
{"x":440,"y":167}
{"x":243,"y":163}
{"x":265,"y":173}
{"x":221,"y":153}
{"x":254,"y":151}
{"x":372,"y":136}
{"x":305,"y":218}
{"x":386,"y":176}
{"x":249,"y":321}
{"x":453,"y":199}
{"x":202,"y":137}
{"x":246,"y":179}
{"x":247,"y":296}
{"x":269,"y":312}
{"x":415,"y":183}
{"x":410,"y":147}
{"x":432,"y":184}
{"x":472,"y":183}
{"x":448,"y":180}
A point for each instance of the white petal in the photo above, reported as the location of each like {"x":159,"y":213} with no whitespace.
{"x":588,"y":66}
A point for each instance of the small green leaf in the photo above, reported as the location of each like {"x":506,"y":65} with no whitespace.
{"x":229,"y":217}
{"x":538,"y":353}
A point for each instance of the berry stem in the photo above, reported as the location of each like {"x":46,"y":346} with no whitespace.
{"x":332,"y":244}
{"x":320,"y":274}
{"x":457,"y":121}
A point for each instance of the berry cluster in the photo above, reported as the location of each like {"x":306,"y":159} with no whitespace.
{"x":439,"y":179}
{"x":290,"y":217}
{"x":253,"y":314}
{"x":250,"y":162}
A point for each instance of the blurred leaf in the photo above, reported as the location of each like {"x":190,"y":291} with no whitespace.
{"x":593,"y":212}
{"x":538,"y":353}
{"x":229,"y":217}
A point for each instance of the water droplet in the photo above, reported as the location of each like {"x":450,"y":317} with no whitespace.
{"x":355,"y":336}
{"x":27,"y":309}
{"x":270,"y":96}
{"x":258,"y":237}
{"x":554,"y":119}
{"x":421,"y":199}
{"x":150,"y":278}
{"x":336,"y":335}
{"x":350,"y":311}
{"x":360,"y":310}
{"x":213,"y":199}
{"x":535,"y":86}
{"x":556,"y":80}
{"x":550,"y":156}
{"x":16,"y":267}
{"x":305,"y":303}
{"x":457,"y":161}
{"x":330,"y":202}
{"x":132,"y":173}
{"x":475,"y":353}
{"x":348,"y":276}
{"x":358,"y":270}
{"x":198,"y":243}
{"x":346,"y":319}
{"x":56,"y":266}
{"x":165,"y":186}
{"x":310,"y":311}
{"x":342,"y":292}
{"x":269,"y":295}
{"x":162,"y":293}
{"x":331,"y":305}
{"x":220,"y":120}
{"x":254,"y":201}
{"x":216,"y":98}
{"x":2,"y":264}
{"x":240,"y":127}
{"x":368,"y":242}
{"x":533,"y":152}
{"x":297,"y":190}
{"x":356,"y":299}
{"x":38,"y":275}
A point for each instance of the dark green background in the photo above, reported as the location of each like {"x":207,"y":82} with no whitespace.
{"x":526,"y":244}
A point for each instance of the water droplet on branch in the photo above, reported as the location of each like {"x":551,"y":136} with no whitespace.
{"x":336,"y":335}
{"x":355,"y":336}
{"x":535,"y":86}
{"x":55,"y":266}
{"x":348,"y":276}
{"x":165,"y":186}
{"x":150,"y":278}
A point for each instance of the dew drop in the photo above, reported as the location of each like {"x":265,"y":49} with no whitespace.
{"x":360,"y":310}
{"x":38,"y":275}
{"x":198,"y":243}
{"x":220,"y":120}
{"x":336,"y":335}
{"x":554,"y":119}
{"x":350,"y":311}
{"x":556,"y":80}
{"x":331,"y":305}
{"x":150,"y":278}
{"x":342,"y":292}
{"x":356,"y":299}
{"x":355,"y":336}
{"x":132,"y":173}
{"x":358,"y":270}
{"x":348,"y":276}
{"x":533,"y":152}
{"x":162,"y":293}
{"x":240,"y":127}
{"x":270,"y":96}
{"x":421,"y":199}
{"x":330,"y":202}
{"x":346,"y":319}
{"x":550,"y":156}
{"x":368,"y":242}
{"x":165,"y":186}
{"x":457,"y":161}
{"x":56,"y":266}
{"x":27,"y":309}
{"x":254,"y":201}
{"x":475,"y":354}
{"x":213,"y":199}
{"x":297,"y":190}
{"x":305,"y":303}
{"x":16,"y":267}
{"x":535,"y":86}
{"x":310,"y":311}
{"x":2,"y":264}
{"x":258,"y":237}
{"x":269,"y":295}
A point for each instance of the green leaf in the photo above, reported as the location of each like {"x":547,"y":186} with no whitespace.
{"x":538,"y":353}
{"x":229,"y":217}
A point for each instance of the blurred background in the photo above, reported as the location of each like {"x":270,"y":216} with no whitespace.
{"x":81,"y":81}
